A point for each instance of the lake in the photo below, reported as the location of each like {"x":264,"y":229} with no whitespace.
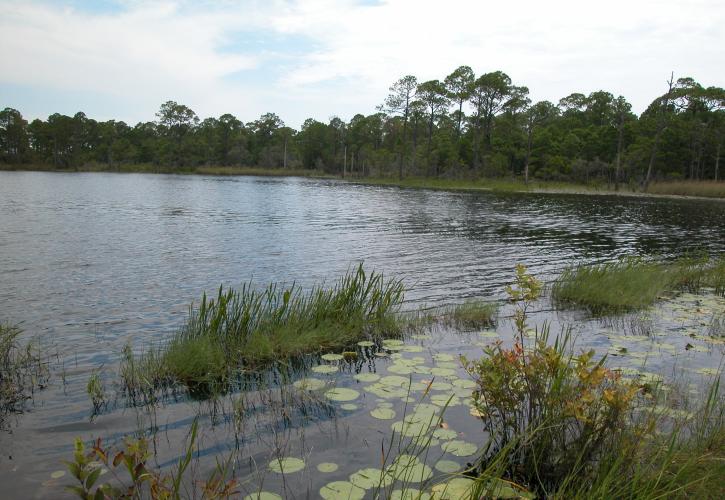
{"x":92,"y":261}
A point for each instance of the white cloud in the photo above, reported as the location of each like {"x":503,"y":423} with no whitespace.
{"x":153,"y":51}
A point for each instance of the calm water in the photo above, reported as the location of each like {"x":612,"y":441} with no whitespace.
{"x":89,"y":262}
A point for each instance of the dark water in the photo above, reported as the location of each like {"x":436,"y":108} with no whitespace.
{"x":89,"y":262}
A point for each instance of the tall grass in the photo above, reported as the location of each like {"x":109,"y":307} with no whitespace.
{"x":709,"y":189}
{"x":633,"y":284}
{"x":22,"y":371}
{"x":246,"y":328}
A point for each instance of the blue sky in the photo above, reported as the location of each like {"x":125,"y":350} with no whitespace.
{"x":318,"y":58}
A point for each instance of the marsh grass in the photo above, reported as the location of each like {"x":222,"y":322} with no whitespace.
{"x":22,"y":371}
{"x":709,"y":189}
{"x":471,"y":314}
{"x":248,"y":329}
{"x":633,"y":284}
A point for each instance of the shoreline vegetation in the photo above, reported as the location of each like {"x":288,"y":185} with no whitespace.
{"x":559,"y":423}
{"x":658,"y":189}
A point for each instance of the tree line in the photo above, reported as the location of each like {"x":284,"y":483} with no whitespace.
{"x":464,"y":126}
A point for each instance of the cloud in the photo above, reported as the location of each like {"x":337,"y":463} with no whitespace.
{"x":321,"y":57}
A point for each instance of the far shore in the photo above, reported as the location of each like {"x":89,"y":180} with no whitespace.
{"x":710,"y":190}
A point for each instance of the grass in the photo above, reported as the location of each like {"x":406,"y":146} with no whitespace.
{"x":708,"y":189}
{"x":471,"y":314}
{"x":147,"y":168}
{"x":248,"y":328}
{"x":22,"y":371}
{"x":633,"y":284}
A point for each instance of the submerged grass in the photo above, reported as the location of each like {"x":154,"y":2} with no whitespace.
{"x":248,"y":328}
{"x":471,"y":314}
{"x":633,"y":284}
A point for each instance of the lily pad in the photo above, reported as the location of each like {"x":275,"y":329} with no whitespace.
{"x":309,"y":384}
{"x":409,"y":494}
{"x":262,"y":495}
{"x":365,"y":343}
{"x":443,"y":372}
{"x":447,"y":466}
{"x":327,"y":467}
{"x":443,"y":357}
{"x":400,"y":369}
{"x":337,"y":490}
{"x":324,"y":369}
{"x":286,"y":465}
{"x":370,"y":478}
{"x":367,"y":377}
{"x":332,"y":357}
{"x":342,"y":394}
{"x":57,"y":474}
{"x":459,"y":448}
{"x":708,"y":371}
{"x":464,"y":383}
{"x":445,"y":434}
{"x":455,"y":489}
{"x":349,"y":406}
{"x":383,"y":413}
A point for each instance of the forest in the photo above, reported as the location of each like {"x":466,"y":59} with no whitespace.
{"x":464,"y":126}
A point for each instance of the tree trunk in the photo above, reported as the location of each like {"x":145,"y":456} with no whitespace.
{"x":529,"y":144}
{"x":658,"y":133}
{"x":620,"y":137}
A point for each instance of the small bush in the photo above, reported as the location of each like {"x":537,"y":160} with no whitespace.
{"x":22,"y":371}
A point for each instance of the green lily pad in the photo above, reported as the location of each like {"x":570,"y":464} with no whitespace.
{"x":57,"y":474}
{"x":383,"y":413}
{"x":455,"y":489}
{"x":327,"y":467}
{"x":443,"y":357}
{"x":338,"y":490}
{"x":342,"y":394}
{"x":324,"y":369}
{"x":365,"y":343}
{"x":447,"y":466}
{"x":393,"y":342}
{"x":395,"y":381}
{"x":367,"y":377}
{"x":445,"y":434}
{"x":262,"y":495}
{"x":349,"y":406}
{"x":464,"y":383}
{"x":332,"y":357}
{"x":309,"y":384}
{"x":459,"y":448}
{"x":708,"y":371}
{"x":409,"y":494}
{"x":400,"y":369}
{"x":443,"y":372}
{"x":286,"y":465}
{"x":370,"y":478}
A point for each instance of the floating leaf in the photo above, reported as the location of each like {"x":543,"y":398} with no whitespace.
{"x":309,"y":384}
{"x":367,"y":377}
{"x":445,"y":434}
{"x":324,"y":369}
{"x":338,"y":490}
{"x":370,"y":478}
{"x":400,"y":369}
{"x":464,"y":383}
{"x":365,"y":343}
{"x":263,"y":495}
{"x":57,"y":474}
{"x":455,"y":489}
{"x":459,"y":448}
{"x":342,"y":394}
{"x":708,"y":371}
{"x":349,"y":406}
{"x":286,"y":465}
{"x":443,"y":372}
{"x":383,"y":413}
{"x":332,"y":357}
{"x":447,"y":466}
{"x":327,"y":467}
{"x":409,"y":494}
{"x":443,"y":357}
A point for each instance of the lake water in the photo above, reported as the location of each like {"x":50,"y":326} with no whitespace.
{"x":91,"y":262}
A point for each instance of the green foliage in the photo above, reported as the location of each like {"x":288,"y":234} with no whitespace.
{"x":22,"y":371}
{"x":471,"y":314}
{"x":134,"y":477}
{"x":633,"y":284}
{"x":247,"y":328}
{"x":96,"y":391}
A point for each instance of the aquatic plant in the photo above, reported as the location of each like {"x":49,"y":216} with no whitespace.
{"x":471,"y":314}
{"x":247,"y":328}
{"x":96,"y":392}
{"x":134,"y":477}
{"x":22,"y":371}
{"x":633,"y":283}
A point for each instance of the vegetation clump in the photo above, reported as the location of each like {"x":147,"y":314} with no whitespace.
{"x":243,"y":329}
{"x":22,"y":371}
{"x":633,"y":284}
{"x":563,"y":425}
{"x":471,"y":314}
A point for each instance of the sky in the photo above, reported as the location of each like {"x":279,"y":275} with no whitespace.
{"x":120,"y":59}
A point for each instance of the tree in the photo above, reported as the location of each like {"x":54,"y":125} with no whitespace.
{"x":662,"y":105}
{"x":535,"y":116}
{"x":398,"y":101}
{"x":459,"y":85}
{"x":489,"y":94}
{"x":621,"y":111}
{"x":13,"y":136}
{"x":433,"y":96}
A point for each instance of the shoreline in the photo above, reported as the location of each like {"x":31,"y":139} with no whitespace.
{"x":475,"y":186}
